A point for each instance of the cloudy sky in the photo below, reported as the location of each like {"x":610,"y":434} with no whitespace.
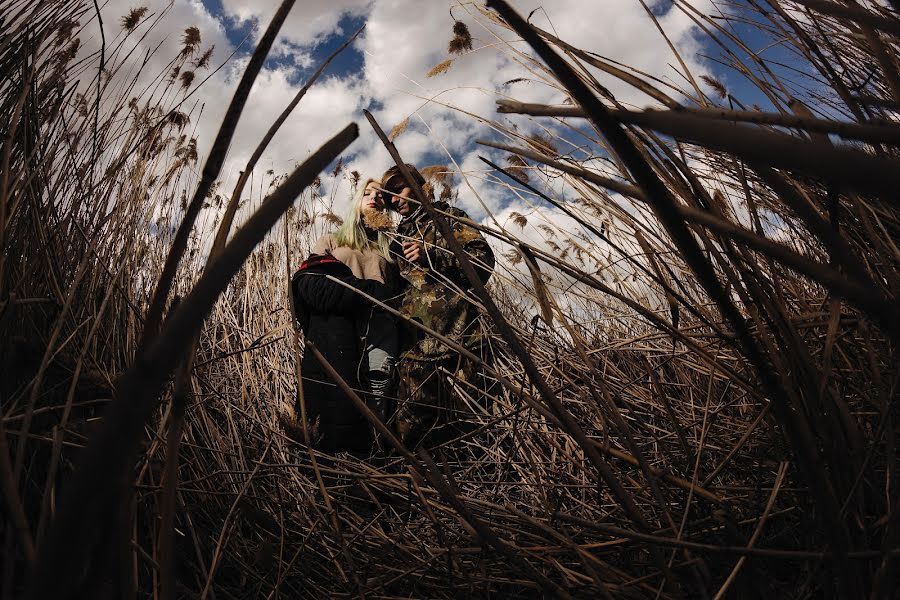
{"x":385,"y":71}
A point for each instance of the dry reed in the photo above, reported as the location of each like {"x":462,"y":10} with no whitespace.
{"x":692,"y":351}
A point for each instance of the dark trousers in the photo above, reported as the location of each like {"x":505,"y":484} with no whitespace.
{"x":430,"y":412}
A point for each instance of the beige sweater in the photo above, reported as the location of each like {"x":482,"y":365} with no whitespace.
{"x":365,"y":264}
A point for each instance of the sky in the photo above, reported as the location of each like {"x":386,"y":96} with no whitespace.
{"x":385,"y":71}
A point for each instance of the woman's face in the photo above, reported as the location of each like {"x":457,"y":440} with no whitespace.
{"x":372,"y":198}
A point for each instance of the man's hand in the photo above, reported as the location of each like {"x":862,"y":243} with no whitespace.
{"x":414,"y":252}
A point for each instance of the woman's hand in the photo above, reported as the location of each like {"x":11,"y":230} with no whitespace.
{"x":414,"y":252}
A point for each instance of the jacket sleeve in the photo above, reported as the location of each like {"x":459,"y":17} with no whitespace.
{"x":442,"y":259}
{"x":318,"y":293}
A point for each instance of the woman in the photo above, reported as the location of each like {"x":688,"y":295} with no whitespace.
{"x":356,"y":337}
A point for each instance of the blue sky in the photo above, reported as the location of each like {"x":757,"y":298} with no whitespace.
{"x":351,"y":61}
{"x":385,"y":71}
{"x":347,"y":63}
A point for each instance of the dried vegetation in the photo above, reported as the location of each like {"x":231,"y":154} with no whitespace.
{"x":702,"y":398}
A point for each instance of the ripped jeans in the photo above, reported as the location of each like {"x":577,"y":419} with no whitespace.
{"x":382,"y":346}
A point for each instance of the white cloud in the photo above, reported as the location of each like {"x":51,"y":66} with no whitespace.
{"x":403,"y":40}
{"x":308,"y":22}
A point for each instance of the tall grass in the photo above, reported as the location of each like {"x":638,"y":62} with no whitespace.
{"x":693,"y":367}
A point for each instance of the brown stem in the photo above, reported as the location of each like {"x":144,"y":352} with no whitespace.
{"x":92,"y":491}
{"x":210,"y":171}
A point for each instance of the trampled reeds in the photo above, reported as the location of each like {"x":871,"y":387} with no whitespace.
{"x":692,"y":369}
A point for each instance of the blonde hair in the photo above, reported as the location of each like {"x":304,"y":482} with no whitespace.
{"x":352,"y":233}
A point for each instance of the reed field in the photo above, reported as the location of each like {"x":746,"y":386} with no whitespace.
{"x":690,"y":385}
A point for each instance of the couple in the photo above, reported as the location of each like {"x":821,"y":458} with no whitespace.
{"x":411,"y":269}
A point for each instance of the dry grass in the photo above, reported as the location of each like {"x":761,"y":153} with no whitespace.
{"x":711,"y":303}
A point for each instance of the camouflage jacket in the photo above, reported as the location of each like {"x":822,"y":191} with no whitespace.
{"x":437,"y":290}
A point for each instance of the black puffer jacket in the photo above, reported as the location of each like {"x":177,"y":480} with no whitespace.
{"x":332,"y":317}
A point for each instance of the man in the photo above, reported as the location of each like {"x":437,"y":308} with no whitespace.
{"x":440,"y":297}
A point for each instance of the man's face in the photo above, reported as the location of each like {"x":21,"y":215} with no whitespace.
{"x":399,"y":194}
{"x":401,"y":201}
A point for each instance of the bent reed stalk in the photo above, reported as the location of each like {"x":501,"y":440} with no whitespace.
{"x":697,"y":299}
